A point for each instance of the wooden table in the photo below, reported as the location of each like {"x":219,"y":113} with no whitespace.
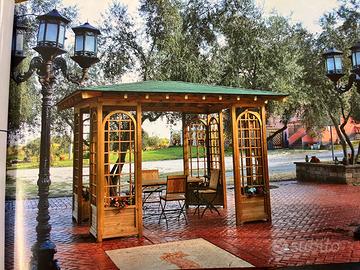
{"x":154,"y":182}
{"x":194,"y":180}
{"x":151,"y":186}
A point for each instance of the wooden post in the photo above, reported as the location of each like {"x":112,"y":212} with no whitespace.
{"x":100,"y":173}
{"x":78,"y":164}
{"x":75,"y":201}
{"x":207,"y":143}
{"x":138,"y":166}
{"x":222,"y":156}
{"x":265,"y":163}
{"x":236,"y":165}
{"x":185,"y":145}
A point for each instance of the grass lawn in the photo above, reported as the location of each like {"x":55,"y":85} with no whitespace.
{"x":169,"y":153}
{"x":148,"y":155}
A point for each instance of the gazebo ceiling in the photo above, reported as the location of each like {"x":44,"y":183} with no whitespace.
{"x":168,"y":96}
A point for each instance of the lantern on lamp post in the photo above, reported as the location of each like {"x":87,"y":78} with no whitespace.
{"x":355,"y":58}
{"x":333,"y":64}
{"x":51,"y":34}
{"x":50,"y":45}
{"x":17,"y":48}
{"x":334,"y":68}
{"x":85,"y":50}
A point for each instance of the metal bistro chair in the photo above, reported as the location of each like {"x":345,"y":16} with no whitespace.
{"x":149,"y":188}
{"x":175,"y":192}
{"x":207,"y":195}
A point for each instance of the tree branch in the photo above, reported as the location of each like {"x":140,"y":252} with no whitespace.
{"x":151,"y":117}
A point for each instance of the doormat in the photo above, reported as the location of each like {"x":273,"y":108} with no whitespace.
{"x":187,"y":254}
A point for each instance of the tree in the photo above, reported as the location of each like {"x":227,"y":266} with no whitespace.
{"x":32,"y":149}
{"x":24,"y":102}
{"x":340,"y":28}
{"x":264,"y":53}
{"x":164,"y":49}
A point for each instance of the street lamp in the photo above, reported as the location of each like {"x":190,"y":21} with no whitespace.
{"x":334,"y":72}
{"x":50,"y":45}
{"x":334,"y":68}
{"x":17,"y":48}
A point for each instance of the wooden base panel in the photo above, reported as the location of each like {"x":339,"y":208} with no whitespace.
{"x":93,"y":221}
{"x":84,"y":210}
{"x":120,"y":222}
{"x":75,"y":212}
{"x":253,"y":209}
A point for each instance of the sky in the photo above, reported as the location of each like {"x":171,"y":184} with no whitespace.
{"x":306,"y":12}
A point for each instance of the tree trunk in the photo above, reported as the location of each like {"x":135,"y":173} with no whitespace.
{"x":341,"y":137}
{"x":342,"y":128}
{"x":117,"y":169}
{"x":276,"y":133}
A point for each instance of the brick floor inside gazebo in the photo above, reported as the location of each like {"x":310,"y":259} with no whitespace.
{"x":312,"y":224}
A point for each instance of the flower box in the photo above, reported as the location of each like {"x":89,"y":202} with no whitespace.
{"x":120,"y":221}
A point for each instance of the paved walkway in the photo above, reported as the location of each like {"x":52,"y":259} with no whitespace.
{"x":312,"y":224}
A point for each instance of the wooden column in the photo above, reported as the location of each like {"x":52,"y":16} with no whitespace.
{"x":207,"y":143}
{"x":222,"y":156}
{"x":138,"y":166}
{"x":100,"y":172}
{"x":265,"y":164}
{"x":185,"y":145}
{"x":236,"y":165}
{"x":78,"y":166}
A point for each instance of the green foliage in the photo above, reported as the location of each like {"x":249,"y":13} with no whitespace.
{"x":32,"y":149}
{"x":153,"y":142}
{"x":25,"y":101}
{"x":117,"y":44}
{"x":340,"y":29}
{"x":175,"y":138}
{"x":59,"y":148}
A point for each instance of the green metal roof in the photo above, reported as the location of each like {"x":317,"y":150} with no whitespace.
{"x":178,"y":87}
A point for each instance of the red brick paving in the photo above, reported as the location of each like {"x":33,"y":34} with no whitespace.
{"x":312,"y":224}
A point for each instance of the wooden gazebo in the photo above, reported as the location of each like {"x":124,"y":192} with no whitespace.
{"x":108,"y":129}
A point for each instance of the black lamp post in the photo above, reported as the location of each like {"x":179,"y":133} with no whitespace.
{"x":334,"y":68}
{"x":334,"y":71}
{"x":50,"y":45}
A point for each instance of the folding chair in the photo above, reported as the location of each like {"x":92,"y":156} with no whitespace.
{"x":207,"y":195}
{"x":175,"y":192}
{"x":149,"y":189}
